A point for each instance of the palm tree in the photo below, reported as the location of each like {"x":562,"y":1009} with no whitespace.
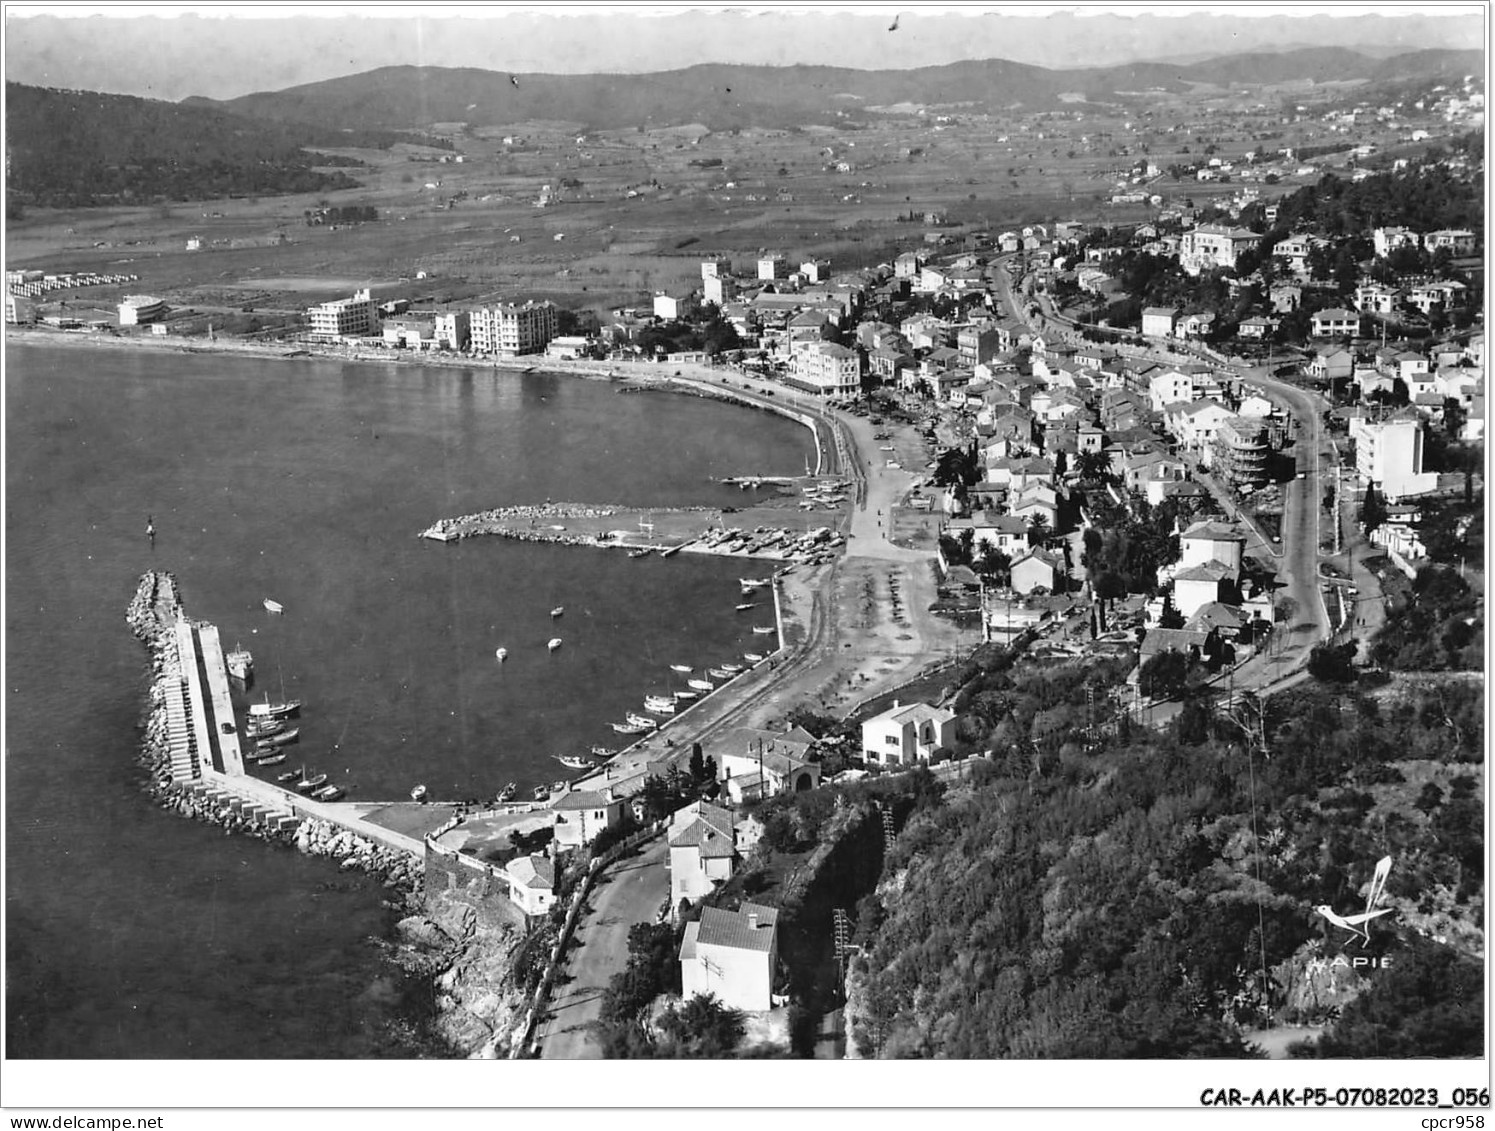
{"x":992,"y":564}
{"x":1038,"y":531}
{"x":1094,"y":465}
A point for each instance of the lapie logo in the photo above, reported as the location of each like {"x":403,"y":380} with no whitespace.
{"x":1358,"y":925}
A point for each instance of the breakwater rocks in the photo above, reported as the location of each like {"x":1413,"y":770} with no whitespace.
{"x":153,"y":611}
{"x":546,"y":522}
{"x":399,"y":872}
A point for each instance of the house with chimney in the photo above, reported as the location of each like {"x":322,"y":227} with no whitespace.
{"x":753,"y":763}
{"x":579,"y":815}
{"x":731,"y":955}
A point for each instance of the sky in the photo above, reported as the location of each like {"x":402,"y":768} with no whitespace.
{"x":222,"y":51}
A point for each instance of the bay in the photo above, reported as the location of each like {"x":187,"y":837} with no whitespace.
{"x":134,"y":933}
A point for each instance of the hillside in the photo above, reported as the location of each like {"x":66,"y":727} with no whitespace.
{"x":69,"y":147}
{"x":726,"y":96}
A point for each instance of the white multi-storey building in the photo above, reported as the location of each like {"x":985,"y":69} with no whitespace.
{"x":1389,"y":454}
{"x":137,"y":310}
{"x":834,"y":370}
{"x":511,"y":329}
{"x":1213,"y":245}
{"x":354,"y":317}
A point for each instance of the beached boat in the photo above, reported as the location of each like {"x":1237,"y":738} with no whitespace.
{"x":642,"y":721}
{"x":555,"y":642}
{"x":752,"y":657}
{"x":306,"y":785}
{"x":558,"y":610}
{"x":418,"y":793}
{"x":502,"y":654}
{"x":765,"y":630}
{"x":509,"y":792}
{"x":681,"y":668}
{"x":328,"y":793}
{"x":628,"y":728}
{"x":273,"y":606}
{"x":573,"y":761}
{"x":702,"y":684}
{"x":240,"y":664}
{"x":268,"y":709}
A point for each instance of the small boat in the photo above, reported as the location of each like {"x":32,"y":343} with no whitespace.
{"x":540,"y":792}
{"x":288,"y":776}
{"x":268,"y":709}
{"x":418,"y":793}
{"x":555,"y":642}
{"x":752,"y":657}
{"x":558,"y":786}
{"x":767,"y":630}
{"x":658,"y":699}
{"x":750,"y":583}
{"x":628,"y":728}
{"x":240,"y":664}
{"x":263,"y":728}
{"x":733,"y":668}
{"x":642,"y":721}
{"x":273,"y":606}
{"x":573,"y":762}
{"x":748,"y":605}
{"x":640,"y":553}
{"x":719,"y":673}
{"x":285,"y":738}
{"x":508,"y":792}
{"x":681,"y":668}
{"x":265,"y":746}
{"x":271,"y":759}
{"x":306,"y":785}
{"x":558,"y":610}
{"x":702,"y":684}
{"x":502,"y":654}
{"x":603,"y":753}
{"x":661,"y":708}
{"x":328,"y":793}
{"x":687,"y":694}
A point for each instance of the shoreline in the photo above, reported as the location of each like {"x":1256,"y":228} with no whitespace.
{"x":629,"y":374}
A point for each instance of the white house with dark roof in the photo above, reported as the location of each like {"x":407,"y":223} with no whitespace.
{"x":754,"y":763}
{"x":1037,"y":569}
{"x":703,"y":846}
{"x":732,"y":955}
{"x":906,"y":734}
{"x":579,"y":815}
{"x":531,"y":883}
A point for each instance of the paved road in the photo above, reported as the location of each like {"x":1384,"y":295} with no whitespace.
{"x":631,"y":891}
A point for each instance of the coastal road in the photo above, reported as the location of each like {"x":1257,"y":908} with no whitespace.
{"x":631,"y":891}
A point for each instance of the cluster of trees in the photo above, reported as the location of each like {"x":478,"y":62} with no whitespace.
{"x":1125,"y":546}
{"x":710,"y":332}
{"x":1423,"y":197}
{"x":347,"y":214}
{"x":1436,"y":625}
{"x":1115,"y":900}
{"x":78,"y":148}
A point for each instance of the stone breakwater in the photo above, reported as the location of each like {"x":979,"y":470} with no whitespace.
{"x":547,"y":522}
{"x":152,"y":614}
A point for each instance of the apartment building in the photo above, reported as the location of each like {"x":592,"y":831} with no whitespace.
{"x":511,"y":329}
{"x":355,"y":317}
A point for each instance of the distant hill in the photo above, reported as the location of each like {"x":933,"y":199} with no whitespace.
{"x":724,"y":96}
{"x":67,"y":148}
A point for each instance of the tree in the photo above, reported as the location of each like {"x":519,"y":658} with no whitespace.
{"x":1332,"y":663}
{"x":697,"y":762}
{"x":703,"y":1027}
{"x":1170,"y":617}
{"x":992,"y":564}
{"x":1372,"y":509}
{"x":1163,"y":676}
{"x":1093,"y":465}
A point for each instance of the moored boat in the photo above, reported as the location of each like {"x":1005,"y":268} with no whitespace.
{"x":752,"y":657}
{"x":642,"y":721}
{"x":750,"y":583}
{"x":681,"y":668}
{"x":540,"y":792}
{"x":661,"y":708}
{"x":640,"y":553}
{"x":273,"y":606}
{"x":555,"y":642}
{"x":747,"y":605}
{"x":628,"y":728}
{"x":418,"y":793}
{"x":306,"y":785}
{"x":509,"y":792}
{"x":687,"y":694}
{"x":502,"y":654}
{"x":558,"y":610}
{"x":719,"y":673}
{"x":285,"y":738}
{"x":270,"y":759}
{"x":573,"y":761}
{"x":733,"y":668}
{"x":240,"y":664}
{"x":268,"y":709}
{"x":764,"y":630}
{"x":264,"y":727}
{"x":288,"y":776}
{"x":328,"y":793}
{"x":702,"y":684}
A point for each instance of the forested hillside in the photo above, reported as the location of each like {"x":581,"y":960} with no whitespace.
{"x":67,"y":148}
{"x":1121,"y":897}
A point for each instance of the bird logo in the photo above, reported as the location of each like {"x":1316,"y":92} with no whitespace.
{"x":1357,"y":924}
{"x":894,"y":25}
